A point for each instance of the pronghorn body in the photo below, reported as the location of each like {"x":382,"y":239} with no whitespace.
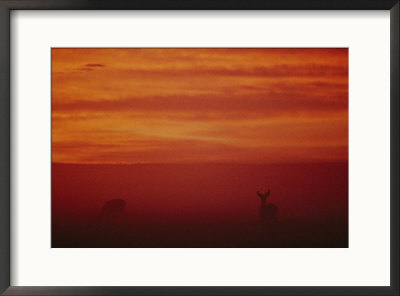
{"x":268,"y":212}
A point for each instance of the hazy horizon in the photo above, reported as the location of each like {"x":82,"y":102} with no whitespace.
{"x":211,"y":162}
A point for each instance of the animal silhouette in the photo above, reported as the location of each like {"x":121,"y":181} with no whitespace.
{"x":113,"y":211}
{"x":268,"y":212}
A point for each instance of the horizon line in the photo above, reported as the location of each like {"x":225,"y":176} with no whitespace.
{"x":200,"y":163}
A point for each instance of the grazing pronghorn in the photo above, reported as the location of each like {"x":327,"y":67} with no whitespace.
{"x":113,"y":211}
{"x":268,"y":212}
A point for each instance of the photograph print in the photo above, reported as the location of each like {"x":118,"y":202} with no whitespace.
{"x":199,"y":147}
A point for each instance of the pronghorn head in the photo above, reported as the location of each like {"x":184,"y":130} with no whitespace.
{"x":264,"y":196}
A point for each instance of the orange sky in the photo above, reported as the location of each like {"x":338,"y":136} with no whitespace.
{"x":199,"y":105}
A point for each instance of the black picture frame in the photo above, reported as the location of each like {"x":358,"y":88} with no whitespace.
{"x":7,"y":6}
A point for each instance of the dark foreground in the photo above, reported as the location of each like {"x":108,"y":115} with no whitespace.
{"x":202,"y":205}
{"x":285,"y":234}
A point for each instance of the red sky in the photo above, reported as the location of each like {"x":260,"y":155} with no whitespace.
{"x":199,"y":105}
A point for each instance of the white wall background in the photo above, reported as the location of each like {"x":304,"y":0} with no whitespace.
{"x":365,"y":262}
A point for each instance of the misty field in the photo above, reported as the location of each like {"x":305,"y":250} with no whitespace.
{"x":200,"y":205}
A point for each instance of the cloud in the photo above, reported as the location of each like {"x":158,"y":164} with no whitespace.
{"x":266,"y":104}
{"x":183,"y":105}
{"x":85,"y":69}
{"x":95,"y":65}
{"x":281,"y":71}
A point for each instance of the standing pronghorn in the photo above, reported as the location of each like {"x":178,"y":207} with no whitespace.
{"x":268,"y":212}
